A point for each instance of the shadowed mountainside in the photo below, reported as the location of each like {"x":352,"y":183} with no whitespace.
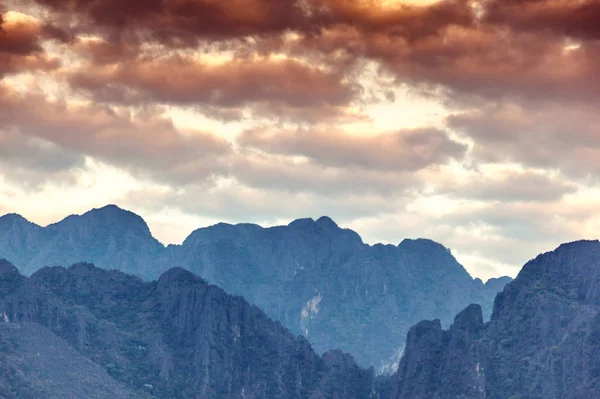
{"x":543,"y":340}
{"x":68,"y":332}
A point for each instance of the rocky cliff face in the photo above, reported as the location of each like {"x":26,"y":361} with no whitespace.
{"x":543,"y":341}
{"x":177,"y":337}
{"x":318,"y":279}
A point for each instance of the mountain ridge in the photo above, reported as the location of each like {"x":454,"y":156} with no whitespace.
{"x":318,"y":279}
{"x":111,"y":207}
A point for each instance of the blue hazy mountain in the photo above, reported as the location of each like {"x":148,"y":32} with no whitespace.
{"x":318,"y":279}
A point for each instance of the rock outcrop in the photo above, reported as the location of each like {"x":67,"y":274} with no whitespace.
{"x":543,"y":340}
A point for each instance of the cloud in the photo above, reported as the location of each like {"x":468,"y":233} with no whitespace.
{"x":237,"y":202}
{"x":517,"y":232}
{"x":20,"y":35}
{"x":548,"y":136}
{"x":144,"y":142}
{"x":401,"y":19}
{"x":507,"y":186}
{"x":182,"y":22}
{"x":401,"y":151}
{"x":185,"y":22}
{"x":36,"y":153}
{"x":492,"y":238}
{"x":289,"y":175}
{"x":20,"y":47}
{"x":469,"y":64}
{"x":450,"y":44}
{"x":578,"y":19}
{"x":184,"y":80}
{"x":31,"y":162}
{"x":474,"y":49}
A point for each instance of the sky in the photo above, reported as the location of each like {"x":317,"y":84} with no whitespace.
{"x":471,"y":122}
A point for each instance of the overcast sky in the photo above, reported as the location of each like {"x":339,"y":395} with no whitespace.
{"x":471,"y":122}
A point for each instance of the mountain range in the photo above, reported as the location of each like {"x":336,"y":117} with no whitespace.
{"x":317,"y":279}
{"x":89,"y":332}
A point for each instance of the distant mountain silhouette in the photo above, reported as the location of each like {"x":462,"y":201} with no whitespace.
{"x":109,"y":236}
{"x":318,"y":279}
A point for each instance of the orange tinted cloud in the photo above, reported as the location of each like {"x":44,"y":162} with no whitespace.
{"x":578,"y":19}
{"x":145,"y":142}
{"x":20,"y":47}
{"x":271,"y":86}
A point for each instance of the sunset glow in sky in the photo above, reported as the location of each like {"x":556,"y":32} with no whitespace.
{"x":473,"y":123}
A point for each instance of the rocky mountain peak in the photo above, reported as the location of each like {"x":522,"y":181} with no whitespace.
{"x":497,"y":283}
{"x":178,"y":276}
{"x":82,"y":268}
{"x":470,"y":319}
{"x":13,"y":219}
{"x":7,"y":268}
{"x":222,"y":231}
{"x":572,"y":270}
{"x":542,"y":340}
{"x":108,"y":217}
{"x":418,"y":244}
{"x":338,"y":360}
{"x":327,"y":222}
{"x":302,"y":223}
